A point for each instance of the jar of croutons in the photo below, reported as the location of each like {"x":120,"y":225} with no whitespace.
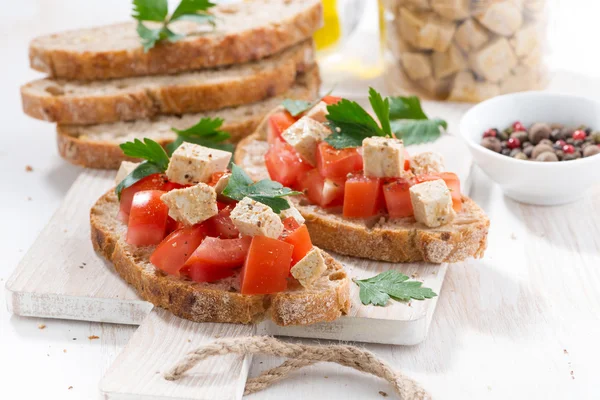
{"x":464,"y":50}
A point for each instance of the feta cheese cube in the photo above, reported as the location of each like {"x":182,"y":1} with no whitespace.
{"x":191,"y":205}
{"x":318,"y":112}
{"x":292,"y":212}
{"x":428,"y":162}
{"x":125,"y":169}
{"x":192,"y":163}
{"x":310,"y":268}
{"x":256,"y":219}
{"x":304,"y":135}
{"x":222,"y":183}
{"x":383,"y":157}
{"x":432,"y":203}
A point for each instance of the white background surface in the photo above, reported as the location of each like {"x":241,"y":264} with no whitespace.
{"x":491,"y":336}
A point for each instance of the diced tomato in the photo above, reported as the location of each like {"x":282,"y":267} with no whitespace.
{"x":320,"y":191}
{"x":267,"y":266}
{"x":221,"y":225}
{"x":147,"y":218}
{"x":362,"y":197}
{"x":173,"y":225}
{"x":331,"y":99}
{"x":290,"y":224}
{"x":284,"y":164}
{"x":151,"y":182}
{"x":397,"y":198}
{"x":406,"y":160}
{"x":300,"y":239}
{"x":172,"y":185}
{"x":224,"y":253}
{"x":221,"y":205}
{"x":214,"y":178}
{"x":278,"y":123}
{"x":452,"y":182}
{"x":336,"y":163}
{"x":172,"y":253}
{"x":209,"y":273}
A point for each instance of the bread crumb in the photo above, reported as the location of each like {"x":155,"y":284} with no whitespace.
{"x":382,"y":393}
{"x":41,"y":326}
{"x":64,"y":350}
{"x":565,"y":351}
{"x":70,"y":387}
{"x":93,"y":337}
{"x":414,"y":275}
{"x":28,"y":168}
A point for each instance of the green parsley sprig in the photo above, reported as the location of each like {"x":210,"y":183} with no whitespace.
{"x":206,"y":133}
{"x":156,"y":161}
{"x":265,"y":191}
{"x":378,"y":289}
{"x":157,"y":11}
{"x":297,"y":107}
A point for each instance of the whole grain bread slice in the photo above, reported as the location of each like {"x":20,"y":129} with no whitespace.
{"x":97,"y":146}
{"x":76,"y":102}
{"x":378,"y":238}
{"x":221,"y":301}
{"x":246,"y":31}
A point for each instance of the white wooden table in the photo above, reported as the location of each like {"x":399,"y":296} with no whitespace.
{"x":522,"y":323}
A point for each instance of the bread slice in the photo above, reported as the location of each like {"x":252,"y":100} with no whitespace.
{"x":73,"y":102}
{"x":219,"y":301}
{"x":378,"y":238}
{"x":246,"y":31}
{"x":97,"y":146}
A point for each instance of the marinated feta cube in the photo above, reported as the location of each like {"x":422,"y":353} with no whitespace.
{"x":304,"y":135}
{"x":125,"y":169}
{"x":191,"y":205}
{"x":310,"y":268}
{"x":428,"y":162}
{"x":192,"y":163}
{"x":432,"y":203}
{"x":292,"y":212}
{"x":318,"y":112}
{"x":256,"y":219}
{"x":383,"y":157}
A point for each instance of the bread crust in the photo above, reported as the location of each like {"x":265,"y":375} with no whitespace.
{"x":218,"y":302}
{"x":225,"y":45}
{"x":379,"y":238}
{"x":106,"y":154}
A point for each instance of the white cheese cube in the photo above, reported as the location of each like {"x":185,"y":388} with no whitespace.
{"x":292,"y":212}
{"x":451,"y":9}
{"x":428,"y":162}
{"x":304,"y":135}
{"x":465,"y":88}
{"x":470,"y":35}
{"x":502,"y":17}
{"x":494,"y":61}
{"x":192,"y":163}
{"x":416,"y":65}
{"x":222,"y":183}
{"x":432,"y":203}
{"x":310,"y":268}
{"x":383,"y":157}
{"x":448,"y":62}
{"x":318,"y":112}
{"x":191,"y":205}
{"x":125,"y":169}
{"x":252,"y":218}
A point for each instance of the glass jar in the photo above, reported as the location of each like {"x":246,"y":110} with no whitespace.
{"x":464,"y":50}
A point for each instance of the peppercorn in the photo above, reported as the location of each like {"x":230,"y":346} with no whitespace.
{"x":560,"y":154}
{"x":521,"y":156}
{"x":547,"y":156}
{"x":505,"y":152}
{"x":569,"y":157}
{"x":557,"y":134}
{"x":596,"y":137}
{"x":570,"y":140}
{"x":492,"y":143}
{"x":539,"y":131}
{"x":503,"y":135}
{"x":539,"y":149}
{"x":514,"y":152}
{"x":528,"y":150}
{"x":546,"y":141}
{"x":591,"y":151}
{"x":588,"y":131}
{"x":521,"y":135}
{"x":577,"y":142}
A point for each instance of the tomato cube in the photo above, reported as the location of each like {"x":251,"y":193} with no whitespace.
{"x":452,"y":182}
{"x":363,"y":197}
{"x":290,"y":224}
{"x":300,"y":239}
{"x":225,"y":253}
{"x":337,"y":163}
{"x":406,"y":160}
{"x":147,"y":218}
{"x":150,"y":182}
{"x":221,"y":224}
{"x":209,"y":273}
{"x":267,"y":266}
{"x":331,"y":99}
{"x":284,"y":164}
{"x":278,"y":122}
{"x":172,"y":253}
{"x":320,"y":191}
{"x":397,"y":198}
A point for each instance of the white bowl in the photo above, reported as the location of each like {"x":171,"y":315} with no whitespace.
{"x":534,"y":182}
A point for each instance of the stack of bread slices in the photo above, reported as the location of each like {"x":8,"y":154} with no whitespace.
{"x":102,"y":89}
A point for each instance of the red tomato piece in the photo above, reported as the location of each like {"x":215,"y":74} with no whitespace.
{"x":406,"y":160}
{"x":284,"y":164}
{"x":151,"y":182}
{"x":209,"y":273}
{"x":172,"y":253}
{"x":300,"y":239}
{"x":173,"y":225}
{"x":452,"y":182}
{"x":147,"y":218}
{"x":397,"y":198}
{"x":320,"y":191}
{"x":278,"y":122}
{"x":267,"y":266}
{"x":290,"y":224}
{"x":331,"y":99}
{"x":362,"y":197}
{"x":224,"y":253}
{"x":337,"y":163}
{"x":172,"y":185}
{"x":221,"y":225}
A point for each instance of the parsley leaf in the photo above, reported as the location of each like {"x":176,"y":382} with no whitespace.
{"x":418,"y":131}
{"x":297,"y":107}
{"x":378,"y":289}
{"x":266,"y":191}
{"x":156,"y":161}
{"x":350,"y":124}
{"x":205,"y":133}
{"x":406,"y":108}
{"x":193,"y":10}
{"x":382,"y":110}
{"x":150,"y":10}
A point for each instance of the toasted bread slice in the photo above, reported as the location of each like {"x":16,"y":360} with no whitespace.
{"x":219,"y":301}
{"x":378,"y":238}
{"x":244,"y":32}
{"x":97,"y":146}
{"x":85,"y":103}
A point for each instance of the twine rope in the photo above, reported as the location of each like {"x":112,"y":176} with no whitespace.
{"x":299,"y":356}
